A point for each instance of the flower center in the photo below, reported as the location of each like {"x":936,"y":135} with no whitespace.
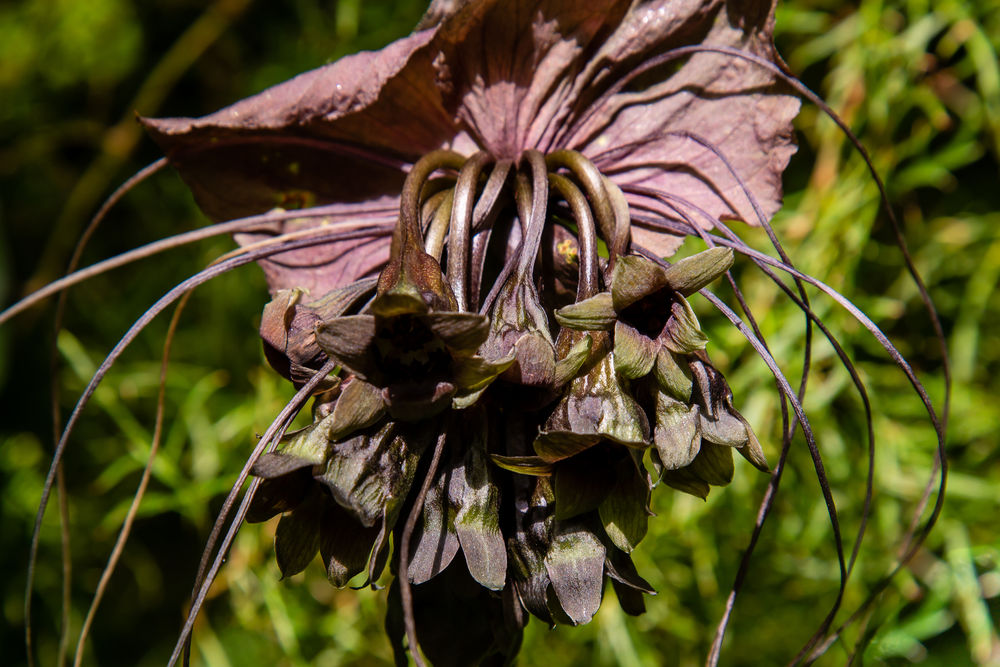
{"x":487,"y":222}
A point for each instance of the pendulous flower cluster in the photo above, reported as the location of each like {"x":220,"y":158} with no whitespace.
{"x":539,"y":416}
{"x":518,"y":365}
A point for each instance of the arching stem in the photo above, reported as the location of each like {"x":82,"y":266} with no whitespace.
{"x":461,"y":225}
{"x":588,"y":286}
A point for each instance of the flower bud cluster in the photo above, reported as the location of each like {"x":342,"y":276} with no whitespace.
{"x":523,"y":429}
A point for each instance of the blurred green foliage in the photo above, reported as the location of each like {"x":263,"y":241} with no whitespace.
{"x":917,"y":81}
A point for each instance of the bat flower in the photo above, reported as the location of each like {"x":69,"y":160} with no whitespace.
{"x":452,"y":192}
{"x":656,"y":333}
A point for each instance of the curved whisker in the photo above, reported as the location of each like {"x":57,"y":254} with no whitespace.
{"x":267,"y":443}
{"x":241,"y":225}
{"x":170,"y":297}
{"x":140,"y":491}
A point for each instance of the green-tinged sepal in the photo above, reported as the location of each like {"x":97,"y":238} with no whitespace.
{"x":435,"y":543}
{"x":477,"y":522}
{"x":633,"y":279}
{"x":524,"y":465}
{"x":462,"y":333}
{"x":713,"y":466}
{"x":473,"y":374}
{"x":596,"y":407}
{"x":575,"y":565}
{"x":625,"y":510}
{"x":634,"y":353}
{"x":594,"y":314}
{"x":344,"y":544}
{"x":573,"y":360}
{"x":677,"y":435}
{"x":683,"y":334}
{"x":519,"y":330}
{"x":692,"y":273}
{"x":721,"y":424}
{"x":359,"y":406}
{"x":581,"y":483}
{"x":671,"y":376}
{"x":365,"y":472}
{"x":296,"y":539}
{"x":349,"y":340}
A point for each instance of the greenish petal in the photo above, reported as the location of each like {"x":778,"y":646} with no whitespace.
{"x":348,"y":340}
{"x":303,"y":448}
{"x":593,"y":314}
{"x":461,"y":332}
{"x":435,"y":540}
{"x":558,"y":445}
{"x":635,"y":278}
{"x":625,"y":510}
{"x":534,"y":361}
{"x":345,"y":545}
{"x":678,"y":432}
{"x":359,"y":406}
{"x":280,"y":494}
{"x":296,"y":540}
{"x":573,"y":361}
{"x":620,"y":568}
{"x":575,"y":564}
{"x":691,"y":274}
{"x":596,"y":406}
{"x":686,"y":481}
{"x":478,"y":520}
{"x":721,"y":423}
{"x":525,"y":465}
{"x":683,"y":334}
{"x":335,"y":302}
{"x":582,"y":483}
{"x":714,"y":464}
{"x":403,"y":299}
{"x":752,"y":451}
{"x":418,"y":402}
{"x":634,"y":353}
{"x":277,"y":317}
{"x":629,"y":599}
{"x":473,"y":374}
{"x":672,"y":377}
{"x":369,"y":471}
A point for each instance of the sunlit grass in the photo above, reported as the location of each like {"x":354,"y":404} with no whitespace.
{"x":918,"y":81}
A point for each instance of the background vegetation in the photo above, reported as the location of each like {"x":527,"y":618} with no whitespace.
{"x":917,"y":80}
